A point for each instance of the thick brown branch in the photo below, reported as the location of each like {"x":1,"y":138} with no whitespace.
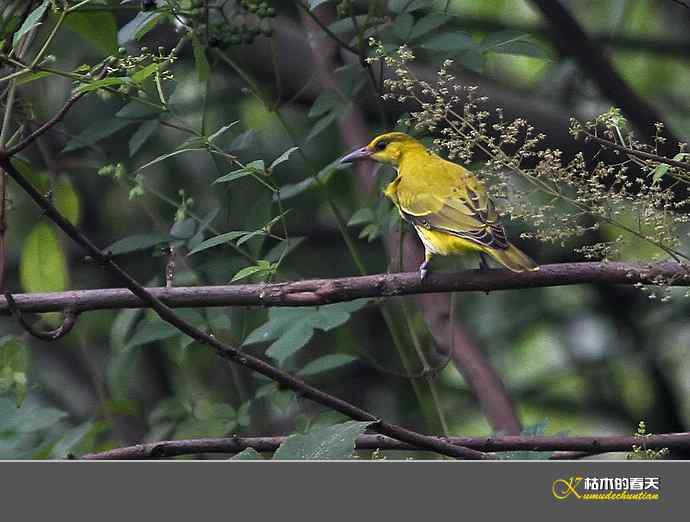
{"x":582,"y":445}
{"x":224,"y":350}
{"x":314,"y":292}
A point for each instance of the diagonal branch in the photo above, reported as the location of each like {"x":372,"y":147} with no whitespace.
{"x":314,"y":292}
{"x":224,"y":350}
{"x":572,"y":40}
{"x":586,"y":445}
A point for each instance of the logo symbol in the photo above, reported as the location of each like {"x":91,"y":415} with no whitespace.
{"x":562,"y":488}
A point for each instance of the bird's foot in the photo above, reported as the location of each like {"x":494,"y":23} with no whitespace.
{"x":423,"y":270}
{"x":483,"y":266}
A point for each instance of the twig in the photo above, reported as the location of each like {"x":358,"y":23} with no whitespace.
{"x":584,"y":446}
{"x":314,"y":292}
{"x":68,"y":322}
{"x":46,"y":126}
{"x":638,"y":153}
{"x":225,"y":350}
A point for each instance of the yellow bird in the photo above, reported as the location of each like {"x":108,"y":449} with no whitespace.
{"x":445,"y":203}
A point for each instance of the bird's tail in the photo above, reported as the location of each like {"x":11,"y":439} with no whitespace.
{"x":513,"y":259}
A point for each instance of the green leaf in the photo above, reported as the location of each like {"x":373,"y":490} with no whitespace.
{"x":247,"y":454}
{"x":250,"y":235}
{"x":67,"y":200}
{"x":14,"y":362}
{"x":294,"y":189}
{"x":135,"y":242}
{"x":282,"y":158}
{"x":256,"y":167}
{"x":141,"y":24}
{"x":151,"y":331}
{"x":94,"y":133}
{"x":407,"y":6}
{"x":328,"y":100}
{"x":203,"y":69}
{"x":455,"y":41}
{"x":327,"y":443}
{"x":141,"y":136}
{"x":262,"y":268}
{"x":217,"y":240}
{"x":97,"y":27}
{"x":361,"y":217}
{"x":198,"y":238}
{"x":661,"y":169}
{"x":105,"y":82}
{"x":512,"y":42}
{"x":145,"y":72}
{"x":243,"y":141}
{"x":43,"y":266}
{"x":402,"y":26}
{"x":135,"y":110}
{"x":326,"y":363}
{"x":30,"y":77}
{"x":320,"y":126}
{"x":269,"y":331}
{"x":293,"y":339}
{"x":33,"y":20}
{"x":243,"y":418}
{"x":124,"y":322}
{"x":71,"y":439}
{"x":330,"y":316}
{"x":221,"y":131}
{"x":428,"y":23}
{"x":350,"y":78}
{"x":284,"y":248}
{"x":232,"y":176}
{"x":168,"y":156}
{"x":30,"y":417}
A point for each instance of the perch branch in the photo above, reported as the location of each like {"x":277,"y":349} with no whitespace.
{"x":313,"y":292}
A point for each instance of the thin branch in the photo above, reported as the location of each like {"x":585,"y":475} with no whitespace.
{"x":225,"y":350}
{"x":46,"y":126}
{"x":638,"y":153}
{"x":314,"y":292}
{"x":584,"y":446}
{"x":68,"y":322}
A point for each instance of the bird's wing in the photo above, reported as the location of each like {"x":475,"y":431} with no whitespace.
{"x":446,"y":197}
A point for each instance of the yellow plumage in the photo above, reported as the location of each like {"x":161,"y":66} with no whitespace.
{"x":448,"y":207}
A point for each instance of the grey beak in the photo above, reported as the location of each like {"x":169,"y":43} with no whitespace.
{"x":357,"y":155}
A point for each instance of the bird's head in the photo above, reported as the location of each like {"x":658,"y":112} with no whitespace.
{"x":386,"y":148}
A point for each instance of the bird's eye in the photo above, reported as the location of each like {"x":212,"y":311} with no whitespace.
{"x":381,"y":145}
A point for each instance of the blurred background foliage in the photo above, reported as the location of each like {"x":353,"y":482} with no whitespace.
{"x":213,"y":152}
